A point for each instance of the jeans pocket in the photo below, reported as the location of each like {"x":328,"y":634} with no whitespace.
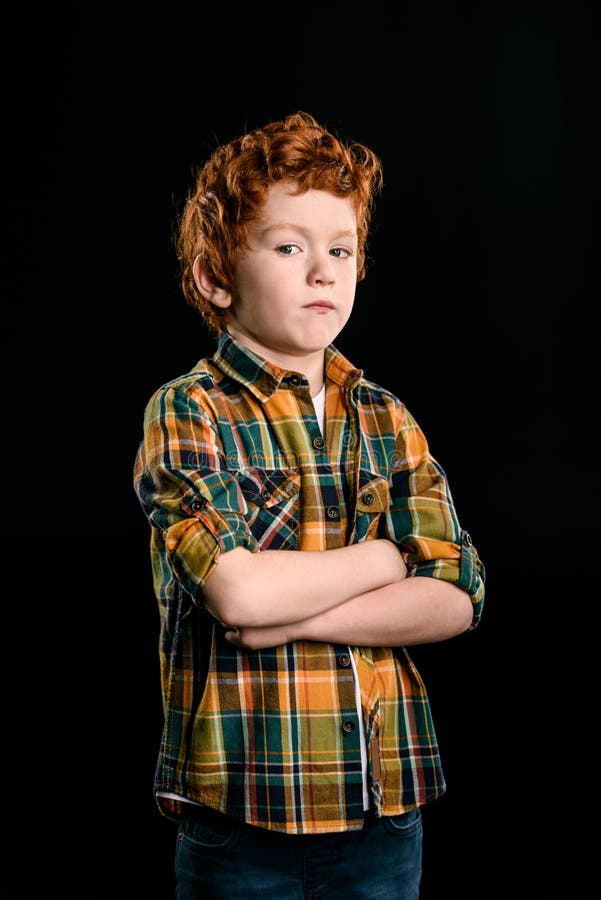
{"x":403,"y":824}
{"x":207,"y":829}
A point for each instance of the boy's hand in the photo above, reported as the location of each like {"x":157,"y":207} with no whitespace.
{"x":259,"y":638}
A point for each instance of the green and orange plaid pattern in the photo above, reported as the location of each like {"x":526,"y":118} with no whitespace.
{"x":232,"y":455}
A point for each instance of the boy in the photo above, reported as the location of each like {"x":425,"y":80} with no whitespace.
{"x":302,"y":536}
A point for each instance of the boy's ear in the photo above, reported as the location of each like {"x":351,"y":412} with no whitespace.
{"x":218,"y":296}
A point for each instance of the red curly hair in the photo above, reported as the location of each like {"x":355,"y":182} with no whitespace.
{"x":232,"y":185}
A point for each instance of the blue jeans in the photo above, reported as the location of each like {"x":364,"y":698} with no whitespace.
{"x":219,"y":858}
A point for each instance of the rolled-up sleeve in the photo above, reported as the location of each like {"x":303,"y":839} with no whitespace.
{"x":193,"y":503}
{"x":423,"y":521}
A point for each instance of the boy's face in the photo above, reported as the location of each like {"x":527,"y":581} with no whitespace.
{"x":295,"y":285}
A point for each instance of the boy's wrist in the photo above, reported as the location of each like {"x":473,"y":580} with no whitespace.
{"x":398,"y":569}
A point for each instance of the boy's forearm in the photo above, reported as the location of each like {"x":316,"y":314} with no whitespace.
{"x":277,"y":587}
{"x":413,"y":611}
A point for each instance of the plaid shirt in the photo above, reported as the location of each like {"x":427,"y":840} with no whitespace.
{"x":232,"y":455}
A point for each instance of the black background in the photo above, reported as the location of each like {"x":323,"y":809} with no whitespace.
{"x":479,"y":310}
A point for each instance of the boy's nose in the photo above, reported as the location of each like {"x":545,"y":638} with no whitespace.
{"x":322,"y":270}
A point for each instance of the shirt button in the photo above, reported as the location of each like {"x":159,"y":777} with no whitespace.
{"x":348,"y":726}
{"x":332,"y":512}
{"x":319,"y":443}
{"x":344,"y":659}
{"x":265,"y":494}
{"x":295,"y":380}
{"x":368,"y":499}
{"x":198,"y":504}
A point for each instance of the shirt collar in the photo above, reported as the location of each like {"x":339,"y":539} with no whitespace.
{"x":263,"y":378}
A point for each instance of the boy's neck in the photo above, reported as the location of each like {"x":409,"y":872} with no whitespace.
{"x":311,"y":365}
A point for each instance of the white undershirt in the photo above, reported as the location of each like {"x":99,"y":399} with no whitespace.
{"x":319,"y":402}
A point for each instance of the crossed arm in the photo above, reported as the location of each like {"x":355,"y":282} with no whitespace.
{"x":354,"y":595}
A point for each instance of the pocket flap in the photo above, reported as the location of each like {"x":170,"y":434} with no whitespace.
{"x":267,"y":488}
{"x":374,"y":493}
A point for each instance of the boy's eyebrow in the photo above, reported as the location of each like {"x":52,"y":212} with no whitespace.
{"x":277,"y":226}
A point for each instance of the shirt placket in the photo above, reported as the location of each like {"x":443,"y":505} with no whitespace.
{"x":370,"y":699}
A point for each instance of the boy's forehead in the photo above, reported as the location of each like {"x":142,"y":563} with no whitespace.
{"x":286,"y":206}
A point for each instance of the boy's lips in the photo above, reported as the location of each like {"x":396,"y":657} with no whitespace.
{"x":320,"y":304}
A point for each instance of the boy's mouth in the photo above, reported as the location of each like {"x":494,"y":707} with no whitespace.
{"x":320,"y":304}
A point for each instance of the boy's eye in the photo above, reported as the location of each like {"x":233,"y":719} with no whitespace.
{"x":291,"y":249}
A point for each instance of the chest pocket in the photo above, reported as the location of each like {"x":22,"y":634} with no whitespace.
{"x":273,"y":506}
{"x":373,"y":499}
